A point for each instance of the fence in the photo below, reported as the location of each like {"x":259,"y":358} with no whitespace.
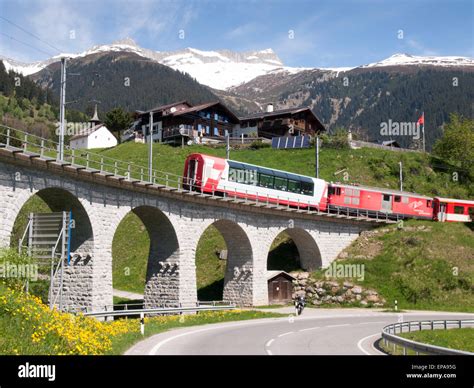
{"x":389,"y":335}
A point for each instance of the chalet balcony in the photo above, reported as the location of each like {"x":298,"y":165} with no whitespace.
{"x":184,"y":130}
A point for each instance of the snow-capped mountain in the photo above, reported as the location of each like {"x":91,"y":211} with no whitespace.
{"x":407,"y":59}
{"x":217,"y":69}
{"x":224,"y":69}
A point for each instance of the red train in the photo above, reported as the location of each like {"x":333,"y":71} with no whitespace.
{"x":210,"y":174}
{"x":399,"y":204}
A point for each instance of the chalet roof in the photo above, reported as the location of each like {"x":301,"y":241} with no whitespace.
{"x":161,"y":108}
{"x":274,"y":274}
{"x":197,"y":108}
{"x":284,"y":112}
{"x":87,"y":132}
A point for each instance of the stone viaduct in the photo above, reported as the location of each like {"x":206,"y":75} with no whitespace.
{"x":175,"y":220}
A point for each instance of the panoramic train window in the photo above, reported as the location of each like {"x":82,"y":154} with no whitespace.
{"x":281,"y":183}
{"x":265,"y":180}
{"x":459,"y":209}
{"x":294,"y":186}
{"x":307,"y":188}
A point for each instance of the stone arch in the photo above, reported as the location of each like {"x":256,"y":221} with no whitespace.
{"x":77,"y":288}
{"x":238,"y":278}
{"x":308,"y":250}
{"x":162,"y":283}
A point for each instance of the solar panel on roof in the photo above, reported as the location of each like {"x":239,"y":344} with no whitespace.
{"x":290,"y":142}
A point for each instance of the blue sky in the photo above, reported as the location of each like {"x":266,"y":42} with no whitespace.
{"x":324,"y":33}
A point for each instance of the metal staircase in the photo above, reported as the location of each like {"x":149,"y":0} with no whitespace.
{"x":47,"y":239}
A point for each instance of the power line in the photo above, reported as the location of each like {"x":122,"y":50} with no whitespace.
{"x":31,"y":34}
{"x":27,"y":44}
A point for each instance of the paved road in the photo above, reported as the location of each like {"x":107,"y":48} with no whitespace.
{"x":127,"y":294}
{"x":317,"y":331}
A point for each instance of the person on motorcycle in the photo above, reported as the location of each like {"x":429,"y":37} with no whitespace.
{"x":300,"y":304}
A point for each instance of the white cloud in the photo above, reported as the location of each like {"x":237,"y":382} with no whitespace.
{"x":242,"y":30}
{"x":420,"y":48}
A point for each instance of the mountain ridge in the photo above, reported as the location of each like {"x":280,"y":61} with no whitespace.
{"x":226,"y":69}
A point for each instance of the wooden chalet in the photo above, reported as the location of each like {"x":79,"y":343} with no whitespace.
{"x":285,"y":122}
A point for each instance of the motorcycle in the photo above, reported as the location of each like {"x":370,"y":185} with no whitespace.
{"x":300,"y":303}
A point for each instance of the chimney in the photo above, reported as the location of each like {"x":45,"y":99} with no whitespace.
{"x":269,"y":108}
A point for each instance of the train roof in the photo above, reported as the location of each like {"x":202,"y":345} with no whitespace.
{"x":464,"y":201}
{"x":380,"y":190}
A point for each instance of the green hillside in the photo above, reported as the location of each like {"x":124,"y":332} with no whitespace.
{"x":425,"y":265}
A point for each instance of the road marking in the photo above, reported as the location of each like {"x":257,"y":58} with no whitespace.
{"x":369,"y":323}
{"x":282,"y":335}
{"x":310,"y":328}
{"x":345,"y":324}
{"x":270,"y":342}
{"x":269,"y":352}
{"x":157,"y":347}
{"x":359,"y":345}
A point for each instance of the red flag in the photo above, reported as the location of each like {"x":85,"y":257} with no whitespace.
{"x":421,"y":120}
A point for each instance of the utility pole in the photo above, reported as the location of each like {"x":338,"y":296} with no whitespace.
{"x":401,"y":176}
{"x":150,"y":149}
{"x":62,"y":106}
{"x":227,"y":148}
{"x":423,"y":129}
{"x":317,"y":156}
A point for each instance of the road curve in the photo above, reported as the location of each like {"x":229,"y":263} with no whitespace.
{"x":316,"y":332}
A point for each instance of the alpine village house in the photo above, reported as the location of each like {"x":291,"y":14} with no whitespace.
{"x":181,"y":122}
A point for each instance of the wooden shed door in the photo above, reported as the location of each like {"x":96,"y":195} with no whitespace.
{"x":276,"y":290}
{"x":284,"y":290}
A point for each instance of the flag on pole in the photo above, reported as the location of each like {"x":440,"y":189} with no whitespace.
{"x":421,"y":120}
{"x":421,"y":124}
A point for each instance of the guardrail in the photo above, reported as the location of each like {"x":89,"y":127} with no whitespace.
{"x":161,"y":310}
{"x":35,"y":146}
{"x":389,"y":335}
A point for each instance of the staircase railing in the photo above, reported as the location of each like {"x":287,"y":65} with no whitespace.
{"x":58,"y":249}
